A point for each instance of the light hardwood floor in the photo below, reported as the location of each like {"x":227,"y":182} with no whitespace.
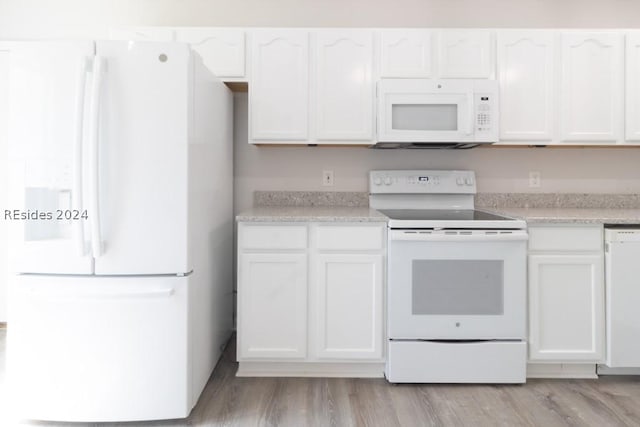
{"x":231,"y":401}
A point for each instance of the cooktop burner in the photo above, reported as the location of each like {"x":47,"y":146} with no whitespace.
{"x":442,"y":215}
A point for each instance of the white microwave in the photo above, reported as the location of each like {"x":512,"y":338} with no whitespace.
{"x":448,"y":113}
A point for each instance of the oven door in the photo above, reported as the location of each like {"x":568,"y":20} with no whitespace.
{"x":457,"y":284}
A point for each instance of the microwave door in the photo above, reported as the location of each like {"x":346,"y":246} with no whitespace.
{"x":427,"y":117}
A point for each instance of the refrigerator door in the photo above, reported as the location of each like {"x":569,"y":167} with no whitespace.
{"x":99,"y":348}
{"x":47,"y":121}
{"x":142,"y":165}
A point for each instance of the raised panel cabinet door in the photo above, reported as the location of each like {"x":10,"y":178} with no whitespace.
{"x":591,"y":87}
{"x":632,"y":94}
{"x":566,"y":308}
{"x":279,"y":82}
{"x":405,"y":53}
{"x":526,"y":74}
{"x":344,"y":88}
{"x":222,"y":49}
{"x":348,"y":295}
{"x":272,"y":306}
{"x":465,"y":54}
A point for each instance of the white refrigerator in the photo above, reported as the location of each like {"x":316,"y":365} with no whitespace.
{"x":120,"y":214}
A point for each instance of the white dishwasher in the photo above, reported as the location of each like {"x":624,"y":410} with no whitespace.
{"x":622,"y":282}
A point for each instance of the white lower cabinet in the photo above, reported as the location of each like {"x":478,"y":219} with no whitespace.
{"x":566,"y":294}
{"x":348,"y":306}
{"x":272,"y":300}
{"x":315,"y":309}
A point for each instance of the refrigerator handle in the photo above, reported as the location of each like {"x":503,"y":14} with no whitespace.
{"x":76,"y":200}
{"x":94,"y":118}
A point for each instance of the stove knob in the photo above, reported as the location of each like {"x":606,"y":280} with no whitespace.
{"x":468,"y":181}
{"x":387,"y":180}
{"x":377,"y":180}
{"x":460,"y":180}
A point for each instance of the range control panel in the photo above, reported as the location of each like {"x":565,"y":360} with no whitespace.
{"x":484,"y":114}
{"x":422,"y":182}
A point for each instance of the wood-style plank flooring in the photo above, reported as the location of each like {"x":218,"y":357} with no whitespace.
{"x":231,"y":401}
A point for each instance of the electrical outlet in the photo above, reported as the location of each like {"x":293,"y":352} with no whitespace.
{"x":327,"y":178}
{"x":534,"y":179}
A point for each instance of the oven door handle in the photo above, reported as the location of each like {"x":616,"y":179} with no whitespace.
{"x":438,"y":236}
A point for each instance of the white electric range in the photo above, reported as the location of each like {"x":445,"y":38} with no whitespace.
{"x":456,"y":281}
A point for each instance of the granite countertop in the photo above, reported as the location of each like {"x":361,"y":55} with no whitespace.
{"x":571,"y":215}
{"x":364,"y":214}
{"x":311,"y":214}
{"x":579,"y":208}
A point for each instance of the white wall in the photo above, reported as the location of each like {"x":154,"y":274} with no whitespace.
{"x":563,"y":170}
{"x":79,"y":18}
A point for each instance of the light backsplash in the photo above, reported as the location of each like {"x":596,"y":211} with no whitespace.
{"x":498,"y":169}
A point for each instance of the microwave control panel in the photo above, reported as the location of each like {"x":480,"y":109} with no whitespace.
{"x":484,"y":113}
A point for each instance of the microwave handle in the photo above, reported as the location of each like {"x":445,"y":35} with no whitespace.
{"x":471,"y":113}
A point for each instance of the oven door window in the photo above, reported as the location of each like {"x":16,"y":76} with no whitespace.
{"x":457,"y":287}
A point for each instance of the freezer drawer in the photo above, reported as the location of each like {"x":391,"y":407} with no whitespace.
{"x":99,"y":349}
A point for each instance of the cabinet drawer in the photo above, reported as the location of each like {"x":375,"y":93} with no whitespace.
{"x":565,"y":238}
{"x":350,"y":238}
{"x":273,"y":237}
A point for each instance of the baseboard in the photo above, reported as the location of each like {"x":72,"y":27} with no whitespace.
{"x":311,"y":369}
{"x":561,"y":370}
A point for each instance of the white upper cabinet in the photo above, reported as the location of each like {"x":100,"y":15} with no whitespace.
{"x":526,"y":73}
{"x":591,"y":87}
{"x":222,"y":49}
{"x":279,"y":86}
{"x":465,"y":54}
{"x":405,"y":53}
{"x":343,"y":86}
{"x":633,"y":87}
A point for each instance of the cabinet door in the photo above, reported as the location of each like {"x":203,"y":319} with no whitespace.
{"x":633,"y":87}
{"x":278,"y":98}
{"x":591,"y":87}
{"x":222,"y":49}
{"x":465,"y":54}
{"x":348,"y":295}
{"x":344,"y":89}
{"x":526,"y":72}
{"x":272,"y":306}
{"x":405,"y":53}
{"x":566,"y":308}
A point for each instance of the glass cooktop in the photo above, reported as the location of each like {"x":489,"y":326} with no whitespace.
{"x":442,"y":215}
